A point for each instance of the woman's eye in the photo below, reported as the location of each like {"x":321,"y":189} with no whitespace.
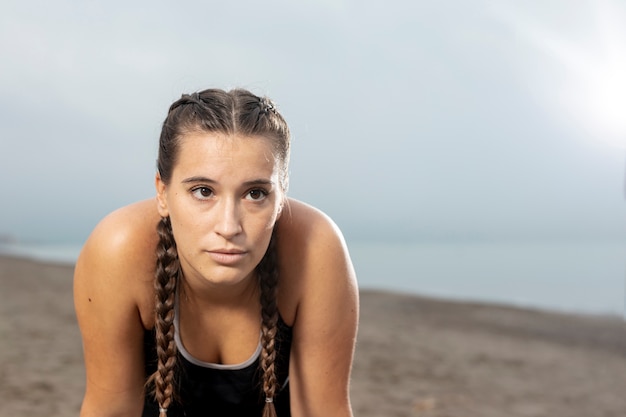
{"x":202,"y":192}
{"x":256,"y":194}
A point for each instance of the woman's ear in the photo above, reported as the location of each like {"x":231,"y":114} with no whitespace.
{"x":284,"y":202}
{"x":161,"y":196}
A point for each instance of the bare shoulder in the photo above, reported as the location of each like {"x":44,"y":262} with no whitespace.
{"x":302,"y":222}
{"x":314,"y":258}
{"x":119,"y":257}
{"x":129,"y":228}
{"x":306,"y":233}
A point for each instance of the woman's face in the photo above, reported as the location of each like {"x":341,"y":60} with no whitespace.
{"x":223,"y":200}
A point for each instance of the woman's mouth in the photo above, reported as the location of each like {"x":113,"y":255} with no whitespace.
{"x":227,"y":256}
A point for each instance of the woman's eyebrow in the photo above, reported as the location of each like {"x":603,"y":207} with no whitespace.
{"x":198,"y":179}
{"x":257,"y":181}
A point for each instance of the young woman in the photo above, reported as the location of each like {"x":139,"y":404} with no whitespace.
{"x":222,"y":297}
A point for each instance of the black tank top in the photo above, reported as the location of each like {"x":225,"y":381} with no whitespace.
{"x":210,"y":390}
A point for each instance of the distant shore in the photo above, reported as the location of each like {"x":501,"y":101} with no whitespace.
{"x":415,"y":356}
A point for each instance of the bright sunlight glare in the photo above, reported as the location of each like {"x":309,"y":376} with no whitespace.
{"x":589,"y":91}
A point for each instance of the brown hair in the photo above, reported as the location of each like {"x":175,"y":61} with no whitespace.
{"x":233,"y":112}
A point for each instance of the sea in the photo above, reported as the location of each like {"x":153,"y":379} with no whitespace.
{"x":571,"y":277}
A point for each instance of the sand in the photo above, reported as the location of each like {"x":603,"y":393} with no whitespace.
{"x":415,"y":356}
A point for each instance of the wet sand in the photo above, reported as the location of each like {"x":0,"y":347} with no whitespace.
{"x":415,"y":356}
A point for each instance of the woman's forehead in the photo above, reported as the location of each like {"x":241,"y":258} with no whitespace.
{"x":203,"y":153}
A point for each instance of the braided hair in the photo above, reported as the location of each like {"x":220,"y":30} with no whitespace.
{"x":267,"y":273}
{"x":166,"y":279}
{"x":233,"y":112}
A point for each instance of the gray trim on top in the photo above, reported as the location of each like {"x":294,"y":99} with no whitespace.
{"x":195,"y":361}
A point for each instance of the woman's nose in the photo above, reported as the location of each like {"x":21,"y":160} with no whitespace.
{"x":228,"y":222}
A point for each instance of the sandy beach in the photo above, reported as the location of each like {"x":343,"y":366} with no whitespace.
{"x":415,"y":356}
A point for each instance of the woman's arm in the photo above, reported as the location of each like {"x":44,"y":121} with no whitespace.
{"x":325,"y":325}
{"x":111,"y":280}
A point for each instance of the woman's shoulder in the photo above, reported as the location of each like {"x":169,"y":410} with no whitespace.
{"x":306,"y":233}
{"x":128,"y":232}
{"x":118,"y":258}
{"x":313,"y":256}
{"x":303,"y":222}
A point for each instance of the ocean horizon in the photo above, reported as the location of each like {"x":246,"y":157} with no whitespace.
{"x":570,"y":277}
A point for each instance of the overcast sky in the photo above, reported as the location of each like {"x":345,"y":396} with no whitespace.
{"x":421,"y":120}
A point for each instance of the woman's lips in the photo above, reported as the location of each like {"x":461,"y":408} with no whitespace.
{"x":227,"y":256}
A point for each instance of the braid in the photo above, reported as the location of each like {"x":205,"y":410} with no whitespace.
{"x":166,"y":278}
{"x":268,"y":282}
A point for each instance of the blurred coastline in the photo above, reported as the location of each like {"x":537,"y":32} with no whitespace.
{"x":565,"y":276}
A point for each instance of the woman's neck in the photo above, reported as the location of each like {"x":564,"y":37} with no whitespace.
{"x":204,"y":294}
